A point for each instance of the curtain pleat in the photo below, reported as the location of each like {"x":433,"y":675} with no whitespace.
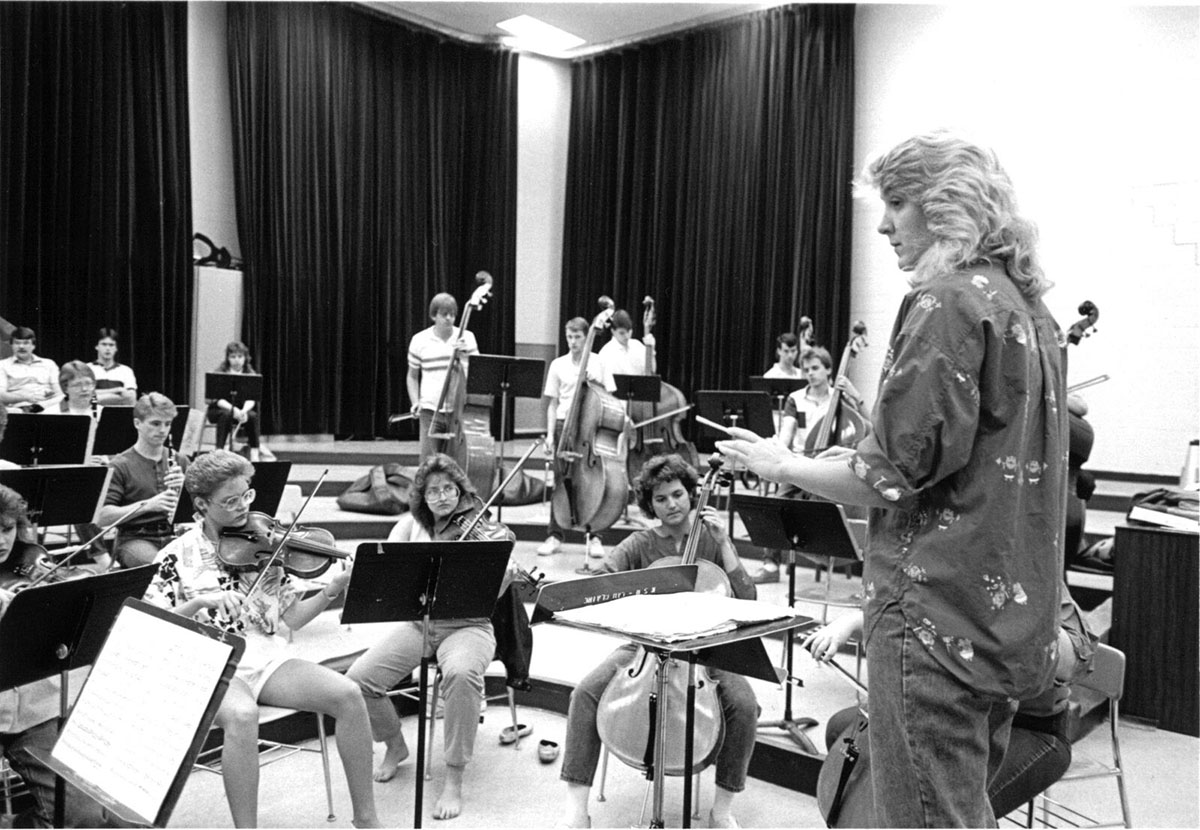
{"x":712,"y":171}
{"x":375,"y":165}
{"x":95,"y":187}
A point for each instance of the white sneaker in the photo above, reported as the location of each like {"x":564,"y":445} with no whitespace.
{"x":595,"y":548}
{"x":550,"y":546}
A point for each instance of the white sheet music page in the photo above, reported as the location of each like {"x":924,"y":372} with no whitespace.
{"x":138,"y":713}
{"x":673,"y":617}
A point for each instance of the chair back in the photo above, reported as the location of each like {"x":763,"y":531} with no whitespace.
{"x":1108,"y":673}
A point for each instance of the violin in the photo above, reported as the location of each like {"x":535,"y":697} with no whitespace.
{"x":657,"y":427}
{"x":590,"y":483}
{"x":628,"y":709}
{"x":1080,"y":438}
{"x":307,"y":551}
{"x":1086,"y":326}
{"x":29,"y":564}
{"x":462,"y":424}
{"x":840,"y":426}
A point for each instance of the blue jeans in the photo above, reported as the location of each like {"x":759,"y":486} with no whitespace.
{"x":463,"y":649}
{"x":935,"y":743}
{"x":1035,"y":759}
{"x":80,"y":810}
{"x":739,"y":706}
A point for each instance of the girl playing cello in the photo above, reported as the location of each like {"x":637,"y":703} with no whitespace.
{"x":193,"y":581}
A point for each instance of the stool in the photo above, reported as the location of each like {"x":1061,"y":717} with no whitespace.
{"x":271,"y":751}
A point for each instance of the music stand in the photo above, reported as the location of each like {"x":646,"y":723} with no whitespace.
{"x":270,"y":477}
{"x":810,"y":527}
{"x":60,"y":495}
{"x":423,"y":581}
{"x":779,"y":389}
{"x":54,"y":628}
{"x":34,"y":440}
{"x":747,"y":410}
{"x":511,"y":378}
{"x":235,"y":387}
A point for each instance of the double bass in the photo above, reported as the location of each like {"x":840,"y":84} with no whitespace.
{"x":657,"y":424}
{"x":590,"y":485}
{"x":462,"y":424}
{"x":840,"y":426}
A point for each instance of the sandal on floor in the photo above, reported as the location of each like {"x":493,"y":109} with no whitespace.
{"x":507,"y":736}
{"x":547,"y":751}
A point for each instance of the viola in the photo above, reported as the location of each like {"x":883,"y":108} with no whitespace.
{"x":590,"y":482}
{"x":840,"y":426}
{"x":1079,"y":442}
{"x":628,"y":713}
{"x":307,"y":551}
{"x":658,"y":424}
{"x":1086,"y":326}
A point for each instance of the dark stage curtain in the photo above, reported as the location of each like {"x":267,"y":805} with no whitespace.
{"x":713,"y":172}
{"x":95,"y":189}
{"x":375,"y":165}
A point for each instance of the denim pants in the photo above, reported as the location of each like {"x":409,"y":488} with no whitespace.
{"x":80,"y":811}
{"x":738,"y":705}
{"x":463,"y":649}
{"x":935,"y":743}
{"x":1033,"y":762}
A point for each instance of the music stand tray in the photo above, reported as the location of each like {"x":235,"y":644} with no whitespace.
{"x":270,"y":477}
{"x":489,"y":372}
{"x":115,"y":432}
{"x":748,"y":410}
{"x":806,"y":526}
{"x":46,"y":439}
{"x":777,"y":387}
{"x":60,"y":495}
{"x":233,"y":386}
{"x":424,"y":581}
{"x":638,"y":387}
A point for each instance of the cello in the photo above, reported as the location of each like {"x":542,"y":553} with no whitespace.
{"x":461,"y":426}
{"x":590,"y":486}
{"x":629,"y":716}
{"x":840,"y":425}
{"x":657,"y":424}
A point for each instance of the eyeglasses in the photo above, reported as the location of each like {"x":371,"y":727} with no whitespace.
{"x":82,"y":385}
{"x":234,"y":502}
{"x":450,"y":491}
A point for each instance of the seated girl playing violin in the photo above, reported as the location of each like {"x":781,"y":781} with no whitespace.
{"x":194,"y":581}
{"x":442,"y":504}
{"x":665,"y":490}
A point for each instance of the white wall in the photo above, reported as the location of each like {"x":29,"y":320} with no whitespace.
{"x":1092,"y":111}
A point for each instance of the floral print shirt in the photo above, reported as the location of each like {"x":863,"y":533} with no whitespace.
{"x":188,"y":567}
{"x":970,"y":444}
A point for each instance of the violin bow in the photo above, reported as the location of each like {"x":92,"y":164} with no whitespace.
{"x":274,"y":557}
{"x":496,"y":494}
{"x":82,"y":546}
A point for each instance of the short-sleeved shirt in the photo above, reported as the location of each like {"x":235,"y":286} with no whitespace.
{"x":136,"y":478}
{"x":643,"y":547}
{"x":629,"y":359}
{"x":776,"y":372}
{"x":563,"y":376}
{"x":40,"y":374}
{"x":119,"y":376}
{"x":800,"y":403}
{"x":970,"y":444}
{"x":432,"y":355}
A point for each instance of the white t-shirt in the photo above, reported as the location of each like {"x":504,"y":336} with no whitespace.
{"x":431,"y":355}
{"x":563,"y":376}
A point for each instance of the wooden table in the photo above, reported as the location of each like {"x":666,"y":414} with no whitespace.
{"x":1155,"y":622}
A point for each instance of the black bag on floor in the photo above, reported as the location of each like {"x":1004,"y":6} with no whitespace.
{"x":384,"y":490}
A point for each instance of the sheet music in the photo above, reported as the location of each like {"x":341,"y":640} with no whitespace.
{"x":674,"y":617}
{"x":137,"y":715}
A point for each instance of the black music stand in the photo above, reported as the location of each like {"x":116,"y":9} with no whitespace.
{"x":115,"y":432}
{"x":270,"y":477}
{"x":779,"y":389}
{"x":747,"y":410}
{"x":423,"y":581}
{"x":812,"y":528}
{"x":54,"y":628}
{"x":33,"y":440}
{"x":60,"y":495}
{"x":510,"y":378}
{"x":235,"y":387}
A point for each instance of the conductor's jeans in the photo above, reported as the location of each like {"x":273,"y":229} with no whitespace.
{"x":739,"y":707}
{"x":81,"y":811}
{"x":463,"y":649}
{"x":935,"y":743}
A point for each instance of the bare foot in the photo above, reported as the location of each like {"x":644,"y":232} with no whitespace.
{"x":393,"y":757}
{"x":725,"y":819}
{"x":449,"y":804}
{"x":366,"y":822}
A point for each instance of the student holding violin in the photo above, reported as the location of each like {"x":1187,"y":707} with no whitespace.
{"x":29,"y":713}
{"x":430,"y":353}
{"x":202,"y":577}
{"x":443,"y":503}
{"x":966,"y":474}
{"x":665,"y":490}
